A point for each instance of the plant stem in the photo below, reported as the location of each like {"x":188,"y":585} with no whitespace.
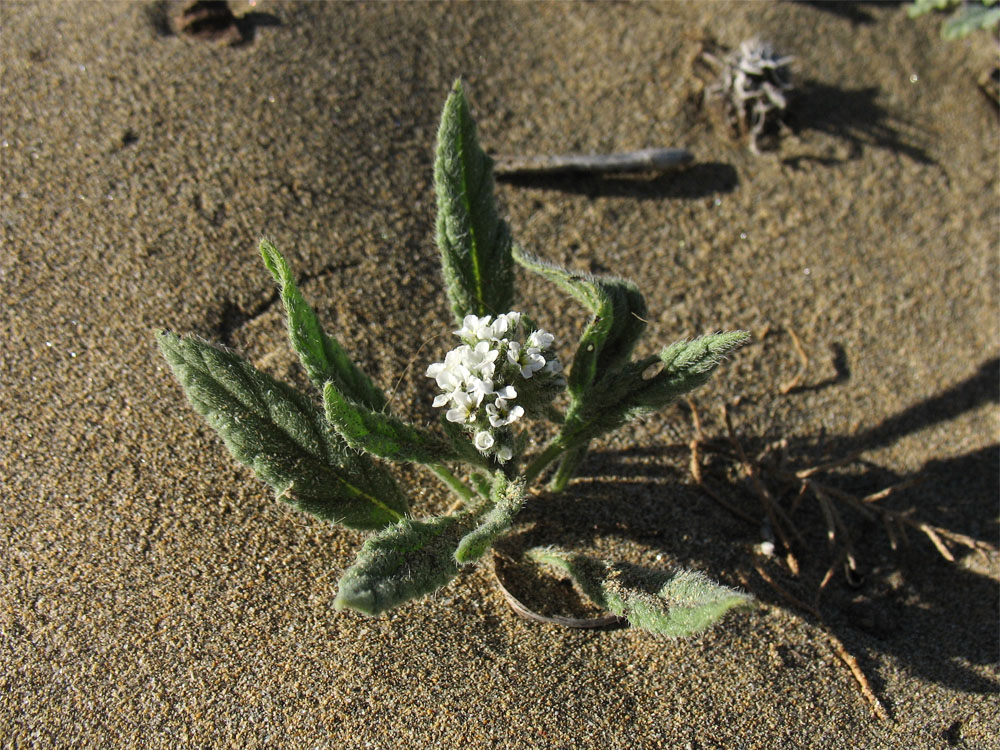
{"x":482,"y":484}
{"x":454,"y":483}
{"x":543,"y":459}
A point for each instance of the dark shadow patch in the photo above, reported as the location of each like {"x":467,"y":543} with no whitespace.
{"x":841,"y":372}
{"x":696,"y":181}
{"x":231,"y":316}
{"x":937,"y":617}
{"x":851,"y":115}
{"x":850,"y":10}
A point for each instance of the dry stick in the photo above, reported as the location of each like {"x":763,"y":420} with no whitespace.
{"x":644,"y":160}
{"x":936,"y":540}
{"x":866,"y":689}
{"x":834,"y":464}
{"x":804,"y":359}
{"x":845,"y":656}
{"x":695,"y":467}
{"x":770,"y":505}
{"x":934,"y":533}
{"x":883,"y":494}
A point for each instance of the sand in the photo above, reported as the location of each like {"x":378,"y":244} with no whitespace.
{"x":155,"y":595}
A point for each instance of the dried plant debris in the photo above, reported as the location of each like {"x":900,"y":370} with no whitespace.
{"x":207,"y":20}
{"x":753,"y":89}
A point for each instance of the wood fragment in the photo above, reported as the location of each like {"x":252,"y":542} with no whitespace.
{"x":787,"y":595}
{"x":643,"y":160}
{"x":884,"y":493}
{"x":834,"y":464}
{"x":795,"y":382}
{"x":845,"y":656}
{"x":936,"y":540}
{"x":866,"y":689}
{"x":770,"y":505}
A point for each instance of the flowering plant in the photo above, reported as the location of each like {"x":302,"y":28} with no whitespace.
{"x":331,"y":461}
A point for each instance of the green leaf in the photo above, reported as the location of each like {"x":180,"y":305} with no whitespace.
{"x":919,"y":7}
{"x":382,"y":435}
{"x":677,"y":605}
{"x":322,"y":356}
{"x":283,"y":437}
{"x":402,"y":562}
{"x":970,"y":18}
{"x":686,"y":365}
{"x":475,"y":243}
{"x":618,"y":309}
{"x":507,"y":497}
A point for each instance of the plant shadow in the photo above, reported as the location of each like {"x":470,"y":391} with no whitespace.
{"x":851,"y":115}
{"x":696,"y":181}
{"x":937,"y":617}
{"x":850,"y":10}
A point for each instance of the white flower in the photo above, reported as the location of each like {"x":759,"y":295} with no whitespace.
{"x":474,"y":327}
{"x":450,"y":374}
{"x":484,"y":441}
{"x":504,"y":454}
{"x":478,"y":388}
{"x":464,"y":409}
{"x":481,"y":359}
{"x":507,"y":393}
{"x":514,"y":352}
{"x":473,"y":373}
{"x":501,"y":413}
{"x":532,"y":361}
{"x":540,"y":339}
{"x":505,"y":323}
{"x":529,"y":360}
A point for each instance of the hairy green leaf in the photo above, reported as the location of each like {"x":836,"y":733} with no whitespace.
{"x":686,"y":365}
{"x":677,"y":605}
{"x":402,"y":562}
{"x":970,"y":18}
{"x":618,"y":310}
{"x":282,"y":436}
{"x":474,"y":241}
{"x":321,"y":355}
{"x":382,"y":435}
{"x":507,"y":497}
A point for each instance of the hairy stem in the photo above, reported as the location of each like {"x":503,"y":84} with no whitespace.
{"x":482,"y":484}
{"x":543,"y":459}
{"x":454,"y":483}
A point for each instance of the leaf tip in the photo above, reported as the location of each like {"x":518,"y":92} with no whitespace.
{"x":273,"y":260}
{"x":359,"y":601}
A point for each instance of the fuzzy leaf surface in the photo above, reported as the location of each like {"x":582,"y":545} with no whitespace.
{"x":618,"y":309}
{"x":684,"y":366}
{"x":321,"y":355}
{"x":675,"y":604}
{"x":400,"y":563}
{"x":474,"y":242}
{"x":381,"y":434}
{"x":507,"y":497}
{"x":283,"y":437}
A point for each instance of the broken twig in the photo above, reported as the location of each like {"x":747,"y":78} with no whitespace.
{"x":644,"y":160}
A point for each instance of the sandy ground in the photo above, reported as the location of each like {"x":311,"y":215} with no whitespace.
{"x":155,"y":595}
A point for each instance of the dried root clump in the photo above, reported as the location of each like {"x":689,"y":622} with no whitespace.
{"x":753,"y":87}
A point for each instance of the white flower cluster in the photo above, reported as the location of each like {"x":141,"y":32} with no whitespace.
{"x":481,"y":379}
